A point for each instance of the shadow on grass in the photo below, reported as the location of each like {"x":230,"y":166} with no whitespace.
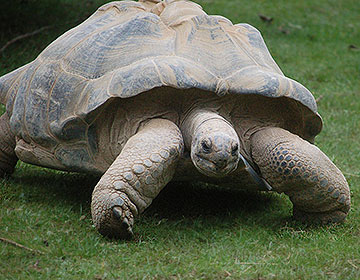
{"x":176,"y":200}
{"x":192,"y":200}
{"x":178,"y":208}
{"x":196,"y":208}
{"x":54,"y":187}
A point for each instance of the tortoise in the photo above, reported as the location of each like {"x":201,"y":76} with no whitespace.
{"x":142,"y":93}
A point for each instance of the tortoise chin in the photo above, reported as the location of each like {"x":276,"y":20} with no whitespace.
{"x":210,"y":168}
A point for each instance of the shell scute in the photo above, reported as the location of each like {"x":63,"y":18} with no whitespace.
{"x":127,"y":48}
{"x":121,"y":7}
{"x":73,"y":129}
{"x":104,"y":51}
{"x":76,"y":158}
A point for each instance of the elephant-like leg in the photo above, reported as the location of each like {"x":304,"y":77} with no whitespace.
{"x":316,"y":187}
{"x":145,"y":165}
{"x":8,"y":158}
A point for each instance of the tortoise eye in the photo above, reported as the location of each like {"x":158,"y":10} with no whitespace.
{"x":234,"y":149}
{"x":206,"y":146}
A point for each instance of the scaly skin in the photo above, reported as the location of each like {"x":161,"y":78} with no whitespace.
{"x":148,"y":162}
{"x":212,"y":141}
{"x":145,"y":165}
{"x":8,"y":157}
{"x":292,"y":165}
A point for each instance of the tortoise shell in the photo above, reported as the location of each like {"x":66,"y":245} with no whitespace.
{"x":126,"y":48}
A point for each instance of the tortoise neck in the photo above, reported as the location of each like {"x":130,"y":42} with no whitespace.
{"x":196,"y":119}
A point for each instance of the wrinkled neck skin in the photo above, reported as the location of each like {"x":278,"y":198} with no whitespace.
{"x":200,"y":119}
{"x":212,"y":141}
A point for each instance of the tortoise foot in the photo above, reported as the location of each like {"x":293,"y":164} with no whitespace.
{"x":112,"y":214}
{"x":315,"y":186}
{"x":125,"y":223}
{"x":8,"y":158}
{"x":144,"y":166}
{"x":322,"y":218}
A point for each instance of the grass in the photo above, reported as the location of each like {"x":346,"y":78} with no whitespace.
{"x":193,"y":231}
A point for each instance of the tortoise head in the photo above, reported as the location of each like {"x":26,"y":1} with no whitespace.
{"x":215,"y":147}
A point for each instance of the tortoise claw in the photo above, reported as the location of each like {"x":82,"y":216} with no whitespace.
{"x":125,"y":229}
{"x":112,"y":214}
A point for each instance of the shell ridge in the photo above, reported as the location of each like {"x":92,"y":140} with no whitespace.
{"x":154,"y":61}
{"x":82,"y":96}
{"x":120,"y":6}
{"x":236,"y":45}
{"x":257,"y":41}
{"x":198,"y":22}
{"x":153,"y":58}
{"x":114,"y":47}
{"x":114,"y":22}
{"x":13,"y":76}
{"x":65,"y":70}
{"x":110,"y":82}
{"x":158,"y":72}
{"x":48,"y":129}
{"x":244,"y":69}
{"x":24,"y":128}
{"x":69,"y":34}
{"x":271,"y":84}
{"x":97,"y":31}
{"x":8,"y":109}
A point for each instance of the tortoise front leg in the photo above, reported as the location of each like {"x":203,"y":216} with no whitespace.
{"x":316,"y":187}
{"x":145,"y":165}
{"x":8,"y":157}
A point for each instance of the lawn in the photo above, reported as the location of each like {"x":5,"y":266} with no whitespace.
{"x":194,"y":231}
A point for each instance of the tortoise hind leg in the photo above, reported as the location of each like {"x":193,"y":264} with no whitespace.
{"x":316,"y":187}
{"x":8,"y":157}
{"x":145,"y":165}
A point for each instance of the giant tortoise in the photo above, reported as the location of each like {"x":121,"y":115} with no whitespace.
{"x":147,"y":92}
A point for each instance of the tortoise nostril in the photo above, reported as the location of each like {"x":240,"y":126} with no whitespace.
{"x":206,"y":146}
{"x":221,"y":162}
{"x":234,"y":150}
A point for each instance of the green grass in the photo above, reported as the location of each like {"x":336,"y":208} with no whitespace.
{"x":193,"y":231}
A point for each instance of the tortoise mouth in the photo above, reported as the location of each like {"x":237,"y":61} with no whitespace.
{"x":211,"y":169}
